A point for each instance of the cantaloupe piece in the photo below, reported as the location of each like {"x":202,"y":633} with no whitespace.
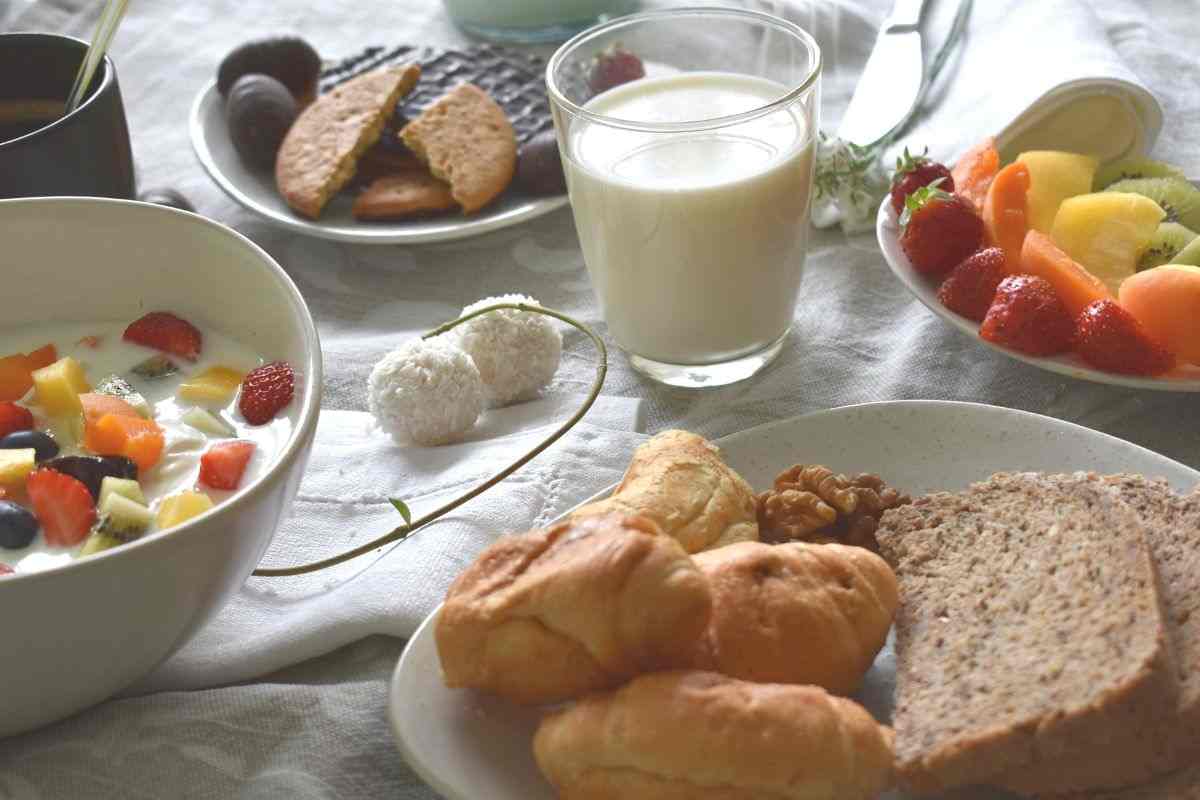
{"x":1004,"y":215}
{"x":16,"y":371}
{"x":1053,"y":177}
{"x":131,"y":436}
{"x":1076,"y":286}
{"x":974,"y":172}
{"x":1166,"y":300}
{"x":96,"y":406}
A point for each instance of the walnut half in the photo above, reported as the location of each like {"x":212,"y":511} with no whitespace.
{"x":811,"y":503}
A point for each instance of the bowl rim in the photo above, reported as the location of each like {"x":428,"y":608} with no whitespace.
{"x":107,"y":77}
{"x":283,"y":460}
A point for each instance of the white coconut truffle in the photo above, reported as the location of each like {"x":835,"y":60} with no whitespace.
{"x":427,"y":391}
{"x":517,"y":352}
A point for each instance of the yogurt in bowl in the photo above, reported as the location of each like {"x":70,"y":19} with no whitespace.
{"x":199,"y":447}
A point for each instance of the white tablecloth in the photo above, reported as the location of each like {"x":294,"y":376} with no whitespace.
{"x":318,"y":729}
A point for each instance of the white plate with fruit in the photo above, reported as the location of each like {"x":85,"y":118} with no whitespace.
{"x":1083,"y":270}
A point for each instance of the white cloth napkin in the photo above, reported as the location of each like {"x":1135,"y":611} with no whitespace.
{"x":1037,"y":75}
{"x":343,"y":501}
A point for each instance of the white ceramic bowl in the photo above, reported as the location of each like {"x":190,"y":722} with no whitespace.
{"x":73,"y":636}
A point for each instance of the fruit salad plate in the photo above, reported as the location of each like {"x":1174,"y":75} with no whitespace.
{"x":255,"y":190}
{"x":469,"y":746}
{"x":887,"y":230}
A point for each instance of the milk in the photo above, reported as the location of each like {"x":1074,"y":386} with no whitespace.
{"x":179,"y":467}
{"x":694,"y":241}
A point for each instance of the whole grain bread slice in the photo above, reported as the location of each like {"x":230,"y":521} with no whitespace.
{"x":1172,"y":525}
{"x":1030,"y":637}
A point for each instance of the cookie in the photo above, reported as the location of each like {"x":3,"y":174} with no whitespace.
{"x":467,"y":141}
{"x":321,"y":150}
{"x":403,"y":194}
{"x":387,"y":157}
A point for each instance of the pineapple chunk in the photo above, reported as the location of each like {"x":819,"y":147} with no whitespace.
{"x":179,"y":508}
{"x":1053,"y":177}
{"x":214,"y":385}
{"x":1106,"y":231}
{"x":124,"y":487}
{"x":59,"y":386}
{"x":15,"y":466}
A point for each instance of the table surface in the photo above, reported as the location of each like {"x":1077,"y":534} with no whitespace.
{"x":318,"y":729}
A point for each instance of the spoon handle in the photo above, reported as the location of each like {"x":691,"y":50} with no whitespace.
{"x":106,"y":28}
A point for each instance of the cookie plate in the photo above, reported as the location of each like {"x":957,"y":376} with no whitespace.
{"x":887,"y":230}
{"x":469,"y":746}
{"x":255,"y":190}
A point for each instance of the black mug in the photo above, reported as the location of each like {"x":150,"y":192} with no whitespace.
{"x":42,"y":152}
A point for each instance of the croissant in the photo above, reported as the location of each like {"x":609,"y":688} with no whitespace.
{"x":545,"y":616}
{"x":796,"y":613}
{"x":702,"y":736}
{"x":678,"y":480}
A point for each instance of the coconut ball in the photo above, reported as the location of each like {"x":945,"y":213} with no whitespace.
{"x":517,"y":352}
{"x":427,"y":391}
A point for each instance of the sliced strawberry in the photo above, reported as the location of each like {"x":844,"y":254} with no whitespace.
{"x":1027,"y":315}
{"x":223,"y":465}
{"x":62,"y":505}
{"x":971,"y":287}
{"x":939,"y":230}
{"x":14,"y":418}
{"x":1109,"y":338}
{"x":166,"y":332}
{"x":5,"y":569}
{"x":913,"y":172}
{"x":266,"y":391}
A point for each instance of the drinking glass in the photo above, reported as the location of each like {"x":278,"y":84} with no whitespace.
{"x":691,"y":186}
{"x":531,"y":21}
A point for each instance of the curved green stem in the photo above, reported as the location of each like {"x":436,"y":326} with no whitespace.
{"x":406,"y":530}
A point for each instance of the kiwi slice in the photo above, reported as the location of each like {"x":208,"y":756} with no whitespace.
{"x":1126,"y":168}
{"x":1189,"y":254}
{"x":1168,"y":240}
{"x":1177,"y":197}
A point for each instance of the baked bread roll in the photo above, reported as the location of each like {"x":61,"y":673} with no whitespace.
{"x":796,"y":613}
{"x":703,"y":736}
{"x":586,"y":604}
{"x":678,"y":480}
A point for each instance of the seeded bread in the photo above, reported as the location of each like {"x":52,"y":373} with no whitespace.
{"x":1173,"y":532}
{"x":1030,"y":637}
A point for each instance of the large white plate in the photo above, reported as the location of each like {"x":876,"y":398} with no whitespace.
{"x":887,"y":229}
{"x":469,"y":746}
{"x":255,"y":190}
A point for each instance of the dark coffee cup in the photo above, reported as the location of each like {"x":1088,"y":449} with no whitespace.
{"x":42,"y":152}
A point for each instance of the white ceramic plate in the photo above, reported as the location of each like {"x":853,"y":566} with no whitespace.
{"x":887,"y":229}
{"x":255,"y":190}
{"x":469,"y":746}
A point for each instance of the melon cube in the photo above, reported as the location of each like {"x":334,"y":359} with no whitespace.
{"x":179,"y":508}
{"x":1053,"y":177}
{"x":59,"y":386}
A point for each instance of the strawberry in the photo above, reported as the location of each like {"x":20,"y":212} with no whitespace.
{"x":939,"y":230}
{"x":14,"y":418}
{"x":62,"y":505}
{"x":165,"y":332}
{"x":267,"y":390}
{"x":913,"y":172}
{"x":613,"y":66}
{"x":5,"y":569}
{"x":971,"y":287}
{"x":223,"y":465}
{"x":1110,"y":338}
{"x":1027,"y":315}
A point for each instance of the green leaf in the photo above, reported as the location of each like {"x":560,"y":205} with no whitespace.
{"x":403,"y":509}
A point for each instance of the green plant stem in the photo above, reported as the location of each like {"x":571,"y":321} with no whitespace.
{"x":404,"y":531}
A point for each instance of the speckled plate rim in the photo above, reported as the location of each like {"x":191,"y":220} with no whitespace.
{"x":419,"y":659}
{"x":887,"y":231}
{"x":435,"y":229}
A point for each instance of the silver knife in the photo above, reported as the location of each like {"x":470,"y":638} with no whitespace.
{"x":891,"y":82}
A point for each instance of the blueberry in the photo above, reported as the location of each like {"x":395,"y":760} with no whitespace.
{"x":92,"y":470}
{"x":17,"y":525}
{"x":42,"y":442}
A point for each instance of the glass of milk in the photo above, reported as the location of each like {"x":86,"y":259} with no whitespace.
{"x":691,"y":185}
